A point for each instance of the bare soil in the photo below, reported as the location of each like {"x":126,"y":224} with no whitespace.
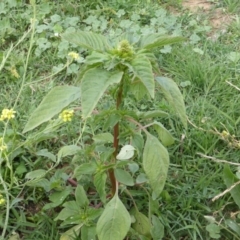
{"x":218,"y":18}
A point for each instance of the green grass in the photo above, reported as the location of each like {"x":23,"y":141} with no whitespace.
{"x":210,"y":102}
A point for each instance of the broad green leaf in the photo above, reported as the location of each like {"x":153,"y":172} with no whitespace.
{"x":115,"y":221}
{"x":141,"y":178}
{"x":100,"y":182}
{"x":39,"y":182}
{"x":21,"y":168}
{"x":47,"y":154}
{"x":70,"y":209}
{"x":230,"y":179}
{"x":214,"y":230}
{"x":94,"y":83}
{"x":138,"y":89}
{"x":52,"y":104}
{"x":152,"y":114}
{"x":111,"y":121}
{"x":95,"y":58}
{"x":126,"y":152}
{"x":164,"y":135}
{"x":85,"y":168}
{"x":68,"y":151}
{"x":124,"y":177}
{"x":157,"y":230}
{"x":173,"y":95}
{"x":57,"y":198}
{"x":142,"y":69}
{"x":234,"y":226}
{"x":89,"y":40}
{"x":155,"y":164}
{"x":103,"y":138}
{"x":35,"y":174}
{"x":88,"y":233}
{"x":71,"y":233}
{"x":81,"y":197}
{"x":142,"y":224}
{"x":138,"y":142}
{"x":157,"y":40}
{"x":133,"y":167}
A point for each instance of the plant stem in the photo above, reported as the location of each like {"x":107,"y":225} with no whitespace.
{"x":115,"y":142}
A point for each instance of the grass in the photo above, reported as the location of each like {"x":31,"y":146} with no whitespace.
{"x":211,"y":104}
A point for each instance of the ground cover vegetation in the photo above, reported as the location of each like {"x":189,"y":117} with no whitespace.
{"x":119,"y":120}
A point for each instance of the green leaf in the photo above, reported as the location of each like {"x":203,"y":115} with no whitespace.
{"x":71,"y":233}
{"x":133,"y":167}
{"x":155,"y":164}
{"x":164,"y":135}
{"x":123,"y":177}
{"x":230,"y":179}
{"x":157,"y":40}
{"x":68,"y":151}
{"x":234,"y":226}
{"x":157,"y":230}
{"x":89,"y":40}
{"x":142,"y":69}
{"x":142,"y":224}
{"x":81,"y":197}
{"x":95,"y":58}
{"x":100,"y":182}
{"x":138,"y":142}
{"x":35,"y":174}
{"x":41,"y":183}
{"x":94,"y":83}
{"x":152,"y":114}
{"x":141,"y":178}
{"x":115,"y":221}
{"x":138,"y":89}
{"x":173,"y":95}
{"x":103,"y":138}
{"x":70,"y":209}
{"x":88,"y":233}
{"x":57,"y":198}
{"x":52,"y":104}
{"x":47,"y":154}
{"x":214,"y":230}
{"x":85,"y":168}
{"x":126,"y":152}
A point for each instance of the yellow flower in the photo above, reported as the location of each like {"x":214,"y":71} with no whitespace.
{"x":3,"y":147}
{"x":74,"y":55}
{"x":66,"y":115}
{"x":7,"y":114}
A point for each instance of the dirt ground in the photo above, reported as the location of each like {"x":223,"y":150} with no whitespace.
{"x":219,"y":19}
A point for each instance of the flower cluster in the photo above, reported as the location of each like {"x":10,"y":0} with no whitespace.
{"x":230,"y":139}
{"x":75,"y":56}
{"x":7,"y":114}
{"x":3,"y":146}
{"x":2,"y":200}
{"x":66,"y":115}
{"x":14,"y":72}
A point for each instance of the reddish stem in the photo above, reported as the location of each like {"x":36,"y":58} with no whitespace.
{"x":115,"y":144}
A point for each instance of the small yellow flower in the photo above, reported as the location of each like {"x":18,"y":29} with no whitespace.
{"x":7,"y":114}
{"x":3,"y":147}
{"x":74,"y":55}
{"x":66,"y":115}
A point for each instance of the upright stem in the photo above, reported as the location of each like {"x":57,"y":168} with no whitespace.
{"x":115,"y":143}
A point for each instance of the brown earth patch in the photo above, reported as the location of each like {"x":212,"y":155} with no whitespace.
{"x":218,"y":18}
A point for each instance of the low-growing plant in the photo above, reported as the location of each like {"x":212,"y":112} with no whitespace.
{"x":125,"y":154}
